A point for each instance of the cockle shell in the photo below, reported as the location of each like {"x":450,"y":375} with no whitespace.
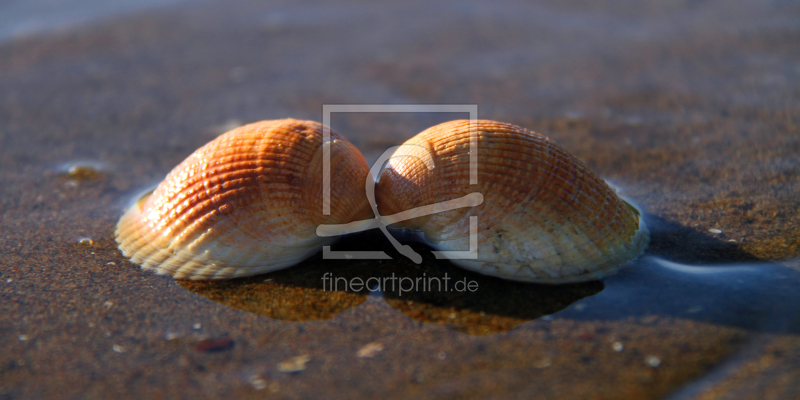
{"x":546,"y":217}
{"x":248,"y":202}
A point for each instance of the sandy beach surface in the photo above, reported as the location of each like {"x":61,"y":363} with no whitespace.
{"x":691,"y":109}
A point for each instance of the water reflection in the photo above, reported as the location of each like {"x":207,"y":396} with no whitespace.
{"x":294,"y":294}
{"x":753,"y":296}
{"x":496,"y":306}
{"x":319,"y":289}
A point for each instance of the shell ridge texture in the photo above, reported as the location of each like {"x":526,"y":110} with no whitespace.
{"x":546,"y":216}
{"x":238,"y":206}
{"x":250,"y":201}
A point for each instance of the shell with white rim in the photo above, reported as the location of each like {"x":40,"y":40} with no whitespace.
{"x":246,"y":203}
{"x":546,"y":216}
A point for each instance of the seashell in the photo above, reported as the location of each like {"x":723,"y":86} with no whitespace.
{"x":246,"y":203}
{"x":546,"y":217}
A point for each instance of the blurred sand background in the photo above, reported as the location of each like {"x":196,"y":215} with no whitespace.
{"x":690,"y":108}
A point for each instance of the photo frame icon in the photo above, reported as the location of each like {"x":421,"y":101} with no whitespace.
{"x":382,"y":222}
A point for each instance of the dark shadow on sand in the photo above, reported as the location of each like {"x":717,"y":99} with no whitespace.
{"x":684,"y":274}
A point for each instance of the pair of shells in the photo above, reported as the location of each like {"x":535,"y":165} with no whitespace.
{"x":251,"y":201}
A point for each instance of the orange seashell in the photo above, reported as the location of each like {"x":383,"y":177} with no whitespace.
{"x":246,"y":203}
{"x":546,"y":217}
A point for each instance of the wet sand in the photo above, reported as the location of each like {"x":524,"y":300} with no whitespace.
{"x":692,"y":110}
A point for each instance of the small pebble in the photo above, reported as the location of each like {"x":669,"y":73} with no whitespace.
{"x":119,"y":349}
{"x":23,"y":337}
{"x":653,"y":361}
{"x":618,"y":346}
{"x":258,"y":383}
{"x":214,"y":345}
{"x":543,"y":363}
{"x":83,"y":172}
{"x":196,"y":326}
{"x":442,"y":355}
{"x":85,"y":242}
{"x":370,"y":350}
{"x":715,"y":230}
{"x":294,"y":364}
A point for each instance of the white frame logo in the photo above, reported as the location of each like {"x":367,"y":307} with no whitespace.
{"x":379,"y":221}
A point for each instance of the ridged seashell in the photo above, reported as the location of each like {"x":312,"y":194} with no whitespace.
{"x":546,"y":217}
{"x":248,"y":202}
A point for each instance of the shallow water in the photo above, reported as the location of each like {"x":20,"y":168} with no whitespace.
{"x":689,"y":109}
{"x":19,"y":19}
{"x":759,"y":297}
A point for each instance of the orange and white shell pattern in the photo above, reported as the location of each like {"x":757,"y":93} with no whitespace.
{"x":246,"y":203}
{"x":546,"y":216}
